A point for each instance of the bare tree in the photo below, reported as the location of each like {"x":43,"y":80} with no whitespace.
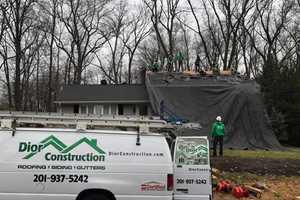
{"x":268,"y":27}
{"x":4,"y":55}
{"x":226,"y":17}
{"x":83,"y":20}
{"x":29,"y":64}
{"x":19,"y":18}
{"x":200,"y":32}
{"x":138,"y":30}
{"x":183,"y":40}
{"x":163,"y":16}
{"x":116,"y":22}
{"x":2,"y":22}
{"x":127,"y":33}
{"x":51,"y":16}
{"x":187,"y":42}
{"x":148,"y":52}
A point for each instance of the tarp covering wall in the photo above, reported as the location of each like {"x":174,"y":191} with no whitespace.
{"x":201,"y":99}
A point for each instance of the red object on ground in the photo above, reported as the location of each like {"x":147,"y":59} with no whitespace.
{"x":240,"y":192}
{"x":223,"y":186}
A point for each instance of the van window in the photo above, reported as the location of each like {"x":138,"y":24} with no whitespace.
{"x":191,"y":151}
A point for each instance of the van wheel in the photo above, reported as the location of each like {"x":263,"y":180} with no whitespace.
{"x":95,"y":196}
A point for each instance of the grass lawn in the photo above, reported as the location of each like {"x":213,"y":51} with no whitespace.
{"x":290,"y":153}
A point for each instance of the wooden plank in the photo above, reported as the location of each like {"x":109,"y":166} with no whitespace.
{"x":215,"y":171}
{"x":253,"y":190}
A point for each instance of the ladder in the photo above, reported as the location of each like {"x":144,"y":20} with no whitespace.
{"x":169,"y":115}
{"x":11,"y":120}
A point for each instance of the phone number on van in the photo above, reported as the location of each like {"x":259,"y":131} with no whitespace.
{"x":59,"y":178}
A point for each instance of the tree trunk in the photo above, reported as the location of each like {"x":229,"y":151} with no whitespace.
{"x":37,"y":82}
{"x":17,"y":44}
{"x":57,"y":82}
{"x":129,"y":66}
{"x":17,"y":92}
{"x":6,"y":69}
{"x":49,"y":103}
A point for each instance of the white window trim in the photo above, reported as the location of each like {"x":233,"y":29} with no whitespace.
{"x":101,"y":109}
{"x":137,"y":110}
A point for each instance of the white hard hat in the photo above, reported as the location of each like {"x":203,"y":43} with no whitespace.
{"x":219,"y":118}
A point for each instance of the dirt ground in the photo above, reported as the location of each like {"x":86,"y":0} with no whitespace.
{"x":282,"y":176}
{"x":259,"y":166}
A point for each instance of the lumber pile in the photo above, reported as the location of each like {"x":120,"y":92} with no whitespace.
{"x":254,"y":191}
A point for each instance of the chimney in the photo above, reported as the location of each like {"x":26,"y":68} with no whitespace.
{"x":103,"y":82}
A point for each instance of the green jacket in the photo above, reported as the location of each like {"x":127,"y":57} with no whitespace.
{"x":217,"y":129}
{"x":179,"y":56}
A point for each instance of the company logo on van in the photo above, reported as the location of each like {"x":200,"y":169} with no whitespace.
{"x":153,"y":186}
{"x":63,"y":149}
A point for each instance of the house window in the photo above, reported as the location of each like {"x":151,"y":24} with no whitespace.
{"x":113,"y":109}
{"x":90,"y":109}
{"x":105,"y":109}
{"x":83,"y":109}
{"x":143,"y":110}
{"x":120,"y":109}
{"x":76,"y":108}
{"x":133,"y":109}
{"x":129,"y":109}
{"x":99,"y":109}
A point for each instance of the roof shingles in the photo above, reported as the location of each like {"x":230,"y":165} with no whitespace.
{"x":103,"y":93}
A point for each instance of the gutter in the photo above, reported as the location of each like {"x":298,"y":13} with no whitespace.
{"x":108,"y":101}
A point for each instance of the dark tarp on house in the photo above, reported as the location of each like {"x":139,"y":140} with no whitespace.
{"x":201,"y":99}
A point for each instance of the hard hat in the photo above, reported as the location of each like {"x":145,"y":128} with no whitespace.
{"x":219,"y":118}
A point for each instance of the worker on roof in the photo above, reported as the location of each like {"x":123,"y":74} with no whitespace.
{"x":154,"y":67}
{"x":217,"y":133}
{"x":179,"y":58}
{"x":197,"y":63}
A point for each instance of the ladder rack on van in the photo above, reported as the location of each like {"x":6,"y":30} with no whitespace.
{"x":11,"y":120}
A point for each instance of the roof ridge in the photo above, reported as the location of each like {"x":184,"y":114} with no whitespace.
{"x":105,"y":85}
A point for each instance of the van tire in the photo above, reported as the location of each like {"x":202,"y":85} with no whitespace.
{"x":95,"y":196}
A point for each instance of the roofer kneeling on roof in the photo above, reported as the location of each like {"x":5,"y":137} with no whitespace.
{"x":217,"y":133}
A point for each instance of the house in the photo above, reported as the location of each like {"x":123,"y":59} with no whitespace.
{"x":105,"y":100}
{"x":183,"y":97}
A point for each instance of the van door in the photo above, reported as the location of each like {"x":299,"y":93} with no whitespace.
{"x":192,"y":172}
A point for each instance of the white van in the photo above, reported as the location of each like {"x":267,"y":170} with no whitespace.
{"x":60,"y":164}
{"x":82,"y":164}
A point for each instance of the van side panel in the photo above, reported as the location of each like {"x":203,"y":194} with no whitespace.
{"x":22,"y":196}
{"x":51,"y":165}
{"x":26,"y":196}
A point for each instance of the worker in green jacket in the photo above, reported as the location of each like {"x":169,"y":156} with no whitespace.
{"x":217,"y":133}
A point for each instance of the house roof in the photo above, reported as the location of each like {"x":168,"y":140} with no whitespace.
{"x":103,"y":94}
